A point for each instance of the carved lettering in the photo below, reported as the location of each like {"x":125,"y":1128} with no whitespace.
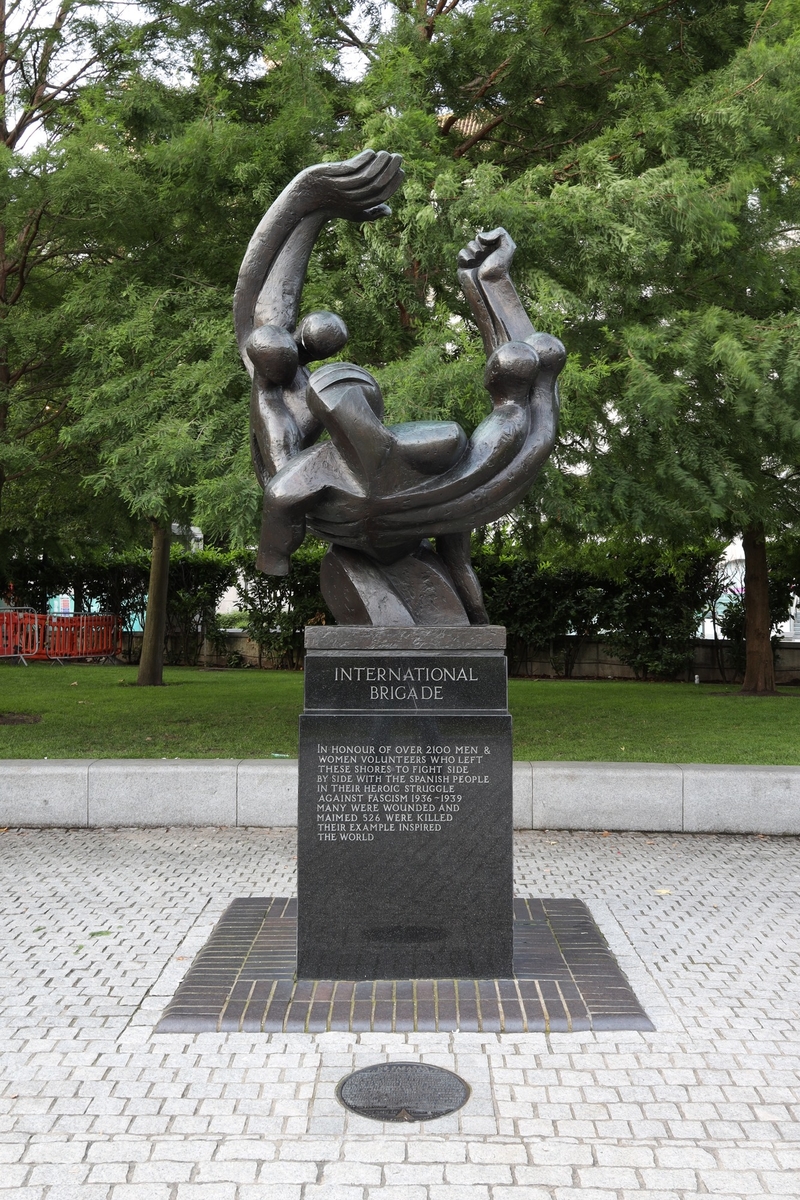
{"x":364,"y":791}
{"x":401,"y":683}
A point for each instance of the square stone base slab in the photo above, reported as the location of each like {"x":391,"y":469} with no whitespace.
{"x":565,"y":979}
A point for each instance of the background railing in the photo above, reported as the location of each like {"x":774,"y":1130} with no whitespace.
{"x":38,"y":636}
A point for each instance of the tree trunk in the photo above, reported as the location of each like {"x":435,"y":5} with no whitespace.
{"x":759,"y":675}
{"x":151,"y":664}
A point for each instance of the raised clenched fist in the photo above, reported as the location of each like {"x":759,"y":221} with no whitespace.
{"x":489,"y":255}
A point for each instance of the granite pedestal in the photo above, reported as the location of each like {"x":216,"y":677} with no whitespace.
{"x":405,"y":805}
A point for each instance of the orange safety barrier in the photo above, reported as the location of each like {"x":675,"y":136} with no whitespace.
{"x":29,"y":635}
{"x":19,"y":633}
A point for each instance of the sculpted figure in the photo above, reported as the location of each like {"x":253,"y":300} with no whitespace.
{"x":379,"y":493}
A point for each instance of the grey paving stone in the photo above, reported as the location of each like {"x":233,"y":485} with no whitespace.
{"x":704,"y":926}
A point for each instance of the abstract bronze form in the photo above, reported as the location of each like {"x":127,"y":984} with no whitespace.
{"x":379,"y":493}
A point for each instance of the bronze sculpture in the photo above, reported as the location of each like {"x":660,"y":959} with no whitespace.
{"x":379,"y":493}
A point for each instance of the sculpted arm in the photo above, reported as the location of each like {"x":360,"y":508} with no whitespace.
{"x":507,"y":449}
{"x":268,"y":291}
{"x":483,"y":272}
{"x":274,"y":266}
{"x":524,"y":400}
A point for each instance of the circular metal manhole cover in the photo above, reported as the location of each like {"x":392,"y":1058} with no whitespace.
{"x":402,"y":1091}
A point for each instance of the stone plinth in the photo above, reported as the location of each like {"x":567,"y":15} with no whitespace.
{"x":405,"y":805}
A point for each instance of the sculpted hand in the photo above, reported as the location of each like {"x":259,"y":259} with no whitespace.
{"x":357,"y":188}
{"x":489,"y":255}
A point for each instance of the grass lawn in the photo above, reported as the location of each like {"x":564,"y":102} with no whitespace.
{"x":98,"y":712}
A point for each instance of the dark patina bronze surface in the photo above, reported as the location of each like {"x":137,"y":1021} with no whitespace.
{"x":402,"y":1091}
{"x":395,"y":503}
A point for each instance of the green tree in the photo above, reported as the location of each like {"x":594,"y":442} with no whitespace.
{"x":644,"y":161}
{"x":650,"y":180}
{"x":125,"y":221}
{"x":158,"y":383}
{"x":57,"y":225}
{"x":693,"y":348}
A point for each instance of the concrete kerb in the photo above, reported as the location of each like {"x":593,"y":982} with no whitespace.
{"x":44,"y":792}
{"x":587,"y":795}
{"x":266,"y":792}
{"x":741,"y":799}
{"x":146,"y":791}
{"x":687,"y":798}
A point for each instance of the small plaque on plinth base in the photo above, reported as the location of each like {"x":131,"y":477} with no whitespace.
{"x":405,"y":805}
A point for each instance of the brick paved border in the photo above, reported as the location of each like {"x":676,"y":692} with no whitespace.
{"x":566,"y":979}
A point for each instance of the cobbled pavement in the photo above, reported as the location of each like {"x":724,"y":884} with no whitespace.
{"x":98,"y":928}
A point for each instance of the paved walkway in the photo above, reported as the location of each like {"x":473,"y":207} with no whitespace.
{"x":99,"y":926}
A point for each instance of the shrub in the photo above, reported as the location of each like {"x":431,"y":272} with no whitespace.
{"x":278,"y":608}
{"x":644,"y":604}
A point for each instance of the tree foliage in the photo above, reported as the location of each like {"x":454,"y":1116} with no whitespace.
{"x":644,"y":160}
{"x":48,"y":56}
